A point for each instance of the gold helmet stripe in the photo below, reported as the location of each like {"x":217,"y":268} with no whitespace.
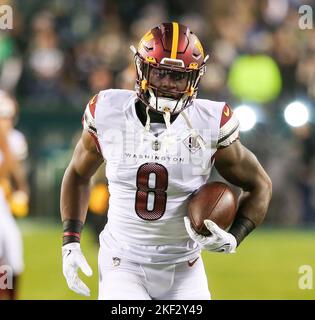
{"x":175,"y":40}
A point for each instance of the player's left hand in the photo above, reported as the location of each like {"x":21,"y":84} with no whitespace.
{"x":218,"y":241}
{"x":72,"y":260}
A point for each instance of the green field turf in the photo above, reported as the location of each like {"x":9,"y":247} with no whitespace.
{"x":266,"y":265}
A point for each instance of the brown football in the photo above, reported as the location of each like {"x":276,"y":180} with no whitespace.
{"x":214,"y":201}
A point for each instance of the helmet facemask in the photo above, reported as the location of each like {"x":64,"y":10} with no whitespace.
{"x":158,"y":99}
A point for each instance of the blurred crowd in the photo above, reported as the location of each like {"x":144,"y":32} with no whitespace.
{"x":60,"y":53}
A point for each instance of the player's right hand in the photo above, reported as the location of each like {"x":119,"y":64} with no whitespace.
{"x":218,"y":241}
{"x":72,"y":260}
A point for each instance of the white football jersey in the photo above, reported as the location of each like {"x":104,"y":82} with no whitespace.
{"x":151,"y":175}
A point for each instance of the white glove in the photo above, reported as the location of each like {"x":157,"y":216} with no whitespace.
{"x":218,"y":241}
{"x":72,"y":259}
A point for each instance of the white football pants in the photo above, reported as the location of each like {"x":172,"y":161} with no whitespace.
{"x":121,"y":279}
{"x":11,"y":244}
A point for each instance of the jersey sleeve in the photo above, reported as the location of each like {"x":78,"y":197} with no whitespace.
{"x":88,"y":120}
{"x":229,"y":127}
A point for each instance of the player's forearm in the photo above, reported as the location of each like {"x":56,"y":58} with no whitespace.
{"x":74,"y":198}
{"x":254,"y":204}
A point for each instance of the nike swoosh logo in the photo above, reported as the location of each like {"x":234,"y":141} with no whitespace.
{"x":69,"y":252}
{"x":222,"y":248}
{"x":191,"y":263}
{"x":227,"y":111}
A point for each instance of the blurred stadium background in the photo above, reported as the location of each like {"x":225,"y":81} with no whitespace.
{"x":60,"y":53}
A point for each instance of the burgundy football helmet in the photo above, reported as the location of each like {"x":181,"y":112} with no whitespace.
{"x":170,"y":48}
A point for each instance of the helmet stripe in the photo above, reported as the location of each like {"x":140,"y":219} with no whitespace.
{"x":175,"y":40}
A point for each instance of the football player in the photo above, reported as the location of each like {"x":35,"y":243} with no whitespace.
{"x":159,"y":143}
{"x":13,"y":192}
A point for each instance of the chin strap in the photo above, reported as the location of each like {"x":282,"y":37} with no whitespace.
{"x":193,"y":131}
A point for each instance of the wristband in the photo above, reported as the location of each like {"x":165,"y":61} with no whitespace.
{"x":71,"y":231}
{"x":241,"y":227}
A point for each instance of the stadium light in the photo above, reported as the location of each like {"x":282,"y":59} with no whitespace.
{"x":296,"y":114}
{"x":246,"y":116}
